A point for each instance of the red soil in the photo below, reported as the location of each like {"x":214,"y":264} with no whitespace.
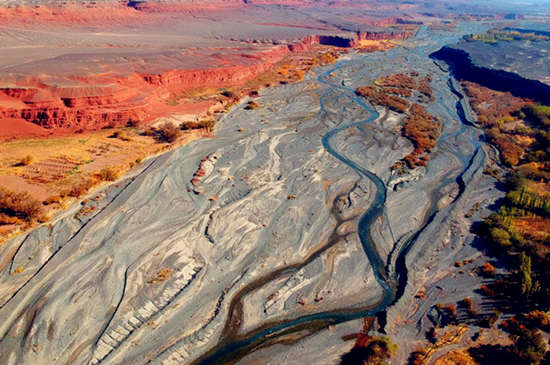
{"x":111,"y":14}
{"x":12,"y":128}
{"x":119,"y":13}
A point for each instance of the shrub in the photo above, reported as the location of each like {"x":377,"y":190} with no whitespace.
{"x":208,"y":124}
{"x":487,"y":269}
{"x":252,"y":105}
{"x":150,"y":132}
{"x":375,"y":351}
{"x":417,"y":357}
{"x":500,"y":236}
{"x":120,"y":135}
{"x":431,"y":335}
{"x":529,"y":345}
{"x":538,"y":113}
{"x":468,"y":304}
{"x":132,"y":123}
{"x":25,"y":161}
{"x":379,"y":97}
{"x":487,"y":291}
{"x":539,"y":319}
{"x":53,"y":200}
{"x":20,"y":205}
{"x":167,"y":132}
{"x":6,"y":219}
{"x":162,"y":275}
{"x":108,"y":174}
{"x":81,"y":188}
{"x":228,"y":94}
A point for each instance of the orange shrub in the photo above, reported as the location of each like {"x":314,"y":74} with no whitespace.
{"x":27,"y":160}
{"x":81,"y":188}
{"x":252,"y":105}
{"x":422,"y":129}
{"x":19,"y":205}
{"x":487,"y":269}
{"x":108,"y":174}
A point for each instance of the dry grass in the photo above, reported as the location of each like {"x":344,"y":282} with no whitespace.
{"x":66,"y":168}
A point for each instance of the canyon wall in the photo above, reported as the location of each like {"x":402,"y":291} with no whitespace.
{"x":143,"y":97}
{"x":464,"y":69}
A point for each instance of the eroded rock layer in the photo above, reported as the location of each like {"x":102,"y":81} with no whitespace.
{"x":95,"y":101}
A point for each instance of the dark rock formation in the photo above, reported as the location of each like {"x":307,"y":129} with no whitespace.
{"x":463,"y":68}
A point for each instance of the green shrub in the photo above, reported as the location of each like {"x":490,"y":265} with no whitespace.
{"x":500,"y":236}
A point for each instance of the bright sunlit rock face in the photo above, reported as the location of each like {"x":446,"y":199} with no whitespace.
{"x":203,"y":182}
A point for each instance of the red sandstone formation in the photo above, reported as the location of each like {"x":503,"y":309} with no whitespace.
{"x":118,"y":100}
{"x":111,"y":13}
{"x":378,"y":36}
{"x":94,"y":101}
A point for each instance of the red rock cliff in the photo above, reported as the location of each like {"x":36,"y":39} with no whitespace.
{"x":141,"y":96}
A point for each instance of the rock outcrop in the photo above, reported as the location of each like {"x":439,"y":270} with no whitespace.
{"x":463,"y":68}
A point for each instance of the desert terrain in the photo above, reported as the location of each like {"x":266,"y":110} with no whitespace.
{"x":265,"y":182}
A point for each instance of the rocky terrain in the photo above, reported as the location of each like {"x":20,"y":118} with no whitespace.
{"x":95,"y":101}
{"x":71,"y":70}
{"x":298,"y":217}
